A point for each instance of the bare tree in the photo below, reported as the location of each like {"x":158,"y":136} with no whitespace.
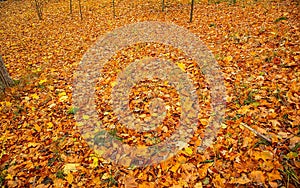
{"x":5,"y":80}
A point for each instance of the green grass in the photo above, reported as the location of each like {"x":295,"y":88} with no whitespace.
{"x":280,"y":19}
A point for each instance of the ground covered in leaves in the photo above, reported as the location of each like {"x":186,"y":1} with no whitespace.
{"x":256,"y":43}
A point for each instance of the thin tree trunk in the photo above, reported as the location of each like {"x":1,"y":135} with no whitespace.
{"x":38,"y":7}
{"x":71,"y":7}
{"x":163,"y":5}
{"x":80,"y":9}
{"x":192,"y":9}
{"x":5,"y":80}
{"x":114,"y":10}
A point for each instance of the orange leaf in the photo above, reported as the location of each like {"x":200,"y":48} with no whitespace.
{"x":274,"y":175}
{"x":241,"y":180}
{"x":175,"y":167}
{"x":264,"y":155}
{"x":257,"y":176}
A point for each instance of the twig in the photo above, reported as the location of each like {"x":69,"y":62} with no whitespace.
{"x":257,"y":133}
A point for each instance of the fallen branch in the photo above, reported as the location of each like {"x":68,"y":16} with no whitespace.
{"x":257,"y":133}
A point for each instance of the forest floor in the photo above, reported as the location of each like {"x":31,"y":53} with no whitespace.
{"x":256,"y":44}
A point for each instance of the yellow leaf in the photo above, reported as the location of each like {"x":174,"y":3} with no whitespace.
{"x":228,"y":58}
{"x":175,"y":167}
{"x":35,"y":96}
{"x":204,"y":121}
{"x":243,"y":110}
{"x":264,"y":155}
{"x":32,"y":144}
{"x":86,"y":117}
{"x":8,"y":177}
{"x":71,"y":167}
{"x":42,"y":81}
{"x":62,"y":94}
{"x":49,"y":125}
{"x":63,"y":98}
{"x":37,"y":127}
{"x":105,"y":176}
{"x":181,"y":66}
{"x":95,"y":162}
{"x":113,"y":83}
{"x":198,"y":185}
{"x":50,"y":88}
{"x":37,"y":70}
{"x":8,"y":104}
{"x":223,"y":126}
{"x":70,"y":178}
{"x":188,"y":151}
{"x":78,"y":124}
{"x":292,"y":155}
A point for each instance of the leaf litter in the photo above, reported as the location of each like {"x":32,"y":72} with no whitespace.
{"x":255,"y":42}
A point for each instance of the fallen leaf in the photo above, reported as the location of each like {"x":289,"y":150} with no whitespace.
{"x":71,"y":167}
{"x":257,"y":176}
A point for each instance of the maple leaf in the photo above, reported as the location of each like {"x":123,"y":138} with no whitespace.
{"x":257,"y":176}
{"x":265,"y":155}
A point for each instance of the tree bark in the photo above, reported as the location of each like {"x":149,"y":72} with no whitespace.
{"x":192,"y":9}
{"x":71,"y":7}
{"x":5,"y":80}
{"x":79,"y":2}
{"x":114,"y":9}
{"x":38,"y":7}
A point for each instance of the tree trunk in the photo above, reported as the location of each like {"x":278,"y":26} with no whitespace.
{"x":38,"y":8}
{"x":71,"y":7}
{"x":114,"y":9}
{"x":192,"y":9}
{"x":5,"y":80}
{"x":79,"y":2}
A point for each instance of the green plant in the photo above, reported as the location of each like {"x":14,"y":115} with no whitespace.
{"x":290,"y":175}
{"x":72,"y":110}
{"x":111,"y":180}
{"x":60,"y":174}
{"x":250,"y":99}
{"x":2,"y":177}
{"x":280,"y":19}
